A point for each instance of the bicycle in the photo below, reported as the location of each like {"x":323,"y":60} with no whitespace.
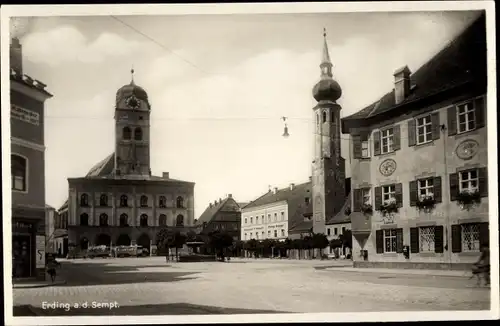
{"x":481,"y":271}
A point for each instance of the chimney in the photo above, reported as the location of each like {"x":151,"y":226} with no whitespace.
{"x":210,"y":205}
{"x":275,"y":190}
{"x":16,"y":56}
{"x":230,"y":195}
{"x":401,"y":84}
{"x":310,"y":178}
{"x":166,"y":175}
{"x":292,"y":185}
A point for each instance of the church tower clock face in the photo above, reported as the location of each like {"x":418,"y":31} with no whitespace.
{"x":133,"y":103}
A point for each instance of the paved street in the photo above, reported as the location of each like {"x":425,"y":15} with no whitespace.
{"x":151,"y":286}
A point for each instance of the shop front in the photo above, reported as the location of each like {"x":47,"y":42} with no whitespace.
{"x":28,"y":249}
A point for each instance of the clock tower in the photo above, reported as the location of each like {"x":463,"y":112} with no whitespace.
{"x":132,"y":132}
{"x":328,"y":167}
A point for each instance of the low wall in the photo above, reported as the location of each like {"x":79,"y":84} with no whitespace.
{"x":412,"y":265}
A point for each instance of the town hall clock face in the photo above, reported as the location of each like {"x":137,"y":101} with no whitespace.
{"x":388,"y":167}
{"x":133,"y":103}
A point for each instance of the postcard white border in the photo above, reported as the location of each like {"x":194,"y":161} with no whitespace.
{"x":251,"y":8}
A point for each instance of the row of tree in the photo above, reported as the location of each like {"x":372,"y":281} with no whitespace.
{"x":221,"y":243}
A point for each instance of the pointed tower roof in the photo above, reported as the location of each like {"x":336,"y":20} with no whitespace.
{"x":327,"y":89}
{"x":326,"y":54}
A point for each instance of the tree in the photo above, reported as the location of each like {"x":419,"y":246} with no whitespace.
{"x":320,"y":241}
{"x":251,"y":245}
{"x":346,"y":238}
{"x":191,"y":236}
{"x":164,"y":239}
{"x":266,"y":246}
{"x":220,"y":241}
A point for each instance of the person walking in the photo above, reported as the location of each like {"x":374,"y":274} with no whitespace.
{"x":51,"y":269}
{"x":483,"y":263}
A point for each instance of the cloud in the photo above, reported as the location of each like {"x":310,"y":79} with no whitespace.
{"x":66,"y":44}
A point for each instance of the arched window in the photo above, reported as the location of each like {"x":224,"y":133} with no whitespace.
{"x":123,"y":201}
{"x":127,"y":133}
{"x":163,"y":220}
{"x":179,"y":221}
{"x":84,"y":219}
{"x":180,"y":202}
{"x":144,"y":201}
{"x":163,"y":202}
{"x":138,"y":133}
{"x":144,"y":220}
{"x":333,"y":117}
{"x":123,"y":220}
{"x":18,"y":171}
{"x":324,"y":116}
{"x":103,"y":200}
{"x":103,"y":220}
{"x":84,"y":200}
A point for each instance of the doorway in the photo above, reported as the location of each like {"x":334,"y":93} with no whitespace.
{"x":21,"y":256}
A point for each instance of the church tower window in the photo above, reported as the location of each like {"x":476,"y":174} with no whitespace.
{"x":126,"y":133}
{"x":324,"y":116}
{"x":138,"y":133}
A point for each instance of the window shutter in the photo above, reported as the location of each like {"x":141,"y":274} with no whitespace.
{"x":379,"y":236}
{"x":438,"y":193}
{"x":397,"y":137}
{"x":376,"y":143}
{"x":452,"y":121}
{"x":378,"y":197}
{"x":453,"y":186}
{"x":413,"y":193}
{"x":438,"y":239}
{"x":412,"y":132}
{"x":414,"y":241}
{"x":484,"y":233}
{"x":356,"y":147}
{"x":357,"y":200}
{"x":399,"y":194}
{"x":483,"y":182}
{"x":456,"y":238}
{"x":480,"y":112}
{"x":399,"y":241}
{"x":436,"y":129}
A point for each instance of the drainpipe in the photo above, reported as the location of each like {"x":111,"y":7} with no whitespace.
{"x":446,"y":183}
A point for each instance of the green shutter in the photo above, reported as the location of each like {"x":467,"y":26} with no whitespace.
{"x":452,"y":120}
{"x":399,"y":194}
{"x":357,"y":200}
{"x":412,"y":133}
{"x":438,"y":239}
{"x":379,"y":239}
{"x":399,"y":241}
{"x":484,"y":233}
{"x":356,"y":147}
{"x":454,"y":189}
{"x":480,"y":112}
{"x":456,"y":238}
{"x":397,"y":137}
{"x":414,"y":240}
{"x":438,"y":193}
{"x":436,"y":128}
{"x":413,"y":193}
{"x":376,"y":143}
{"x":483,"y":182}
{"x":378,"y":198}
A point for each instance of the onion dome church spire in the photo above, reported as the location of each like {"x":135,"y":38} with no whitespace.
{"x":327,"y":89}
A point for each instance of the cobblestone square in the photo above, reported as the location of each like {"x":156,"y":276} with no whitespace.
{"x":151,"y":286}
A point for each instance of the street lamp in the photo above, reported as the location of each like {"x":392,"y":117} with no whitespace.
{"x":285,"y":133}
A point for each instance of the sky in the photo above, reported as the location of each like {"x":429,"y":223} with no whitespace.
{"x":218,"y":86}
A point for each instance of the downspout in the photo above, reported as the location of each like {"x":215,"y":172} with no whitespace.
{"x":446,"y":184}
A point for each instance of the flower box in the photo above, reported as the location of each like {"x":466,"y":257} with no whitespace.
{"x":389,"y":207}
{"x":468,"y":199}
{"x":426,"y":203}
{"x":367,"y":209}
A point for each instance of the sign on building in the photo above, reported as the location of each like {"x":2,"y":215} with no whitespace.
{"x":25,"y":115}
{"x":40,"y":251}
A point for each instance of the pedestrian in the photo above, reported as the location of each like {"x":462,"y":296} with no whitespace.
{"x":483,"y":263}
{"x":51,"y":269}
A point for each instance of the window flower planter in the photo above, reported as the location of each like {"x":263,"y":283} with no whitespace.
{"x":468,"y":199}
{"x":367,"y":209}
{"x":389,"y":207}
{"x":426,"y":203}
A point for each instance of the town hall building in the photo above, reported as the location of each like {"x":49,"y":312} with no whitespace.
{"x":119,"y":201}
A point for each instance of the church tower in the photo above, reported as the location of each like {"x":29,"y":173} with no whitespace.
{"x":132,"y":127}
{"x":328,"y":168}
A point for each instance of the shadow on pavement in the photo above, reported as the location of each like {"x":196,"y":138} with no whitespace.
{"x":153,"y":309}
{"x":82,"y":274}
